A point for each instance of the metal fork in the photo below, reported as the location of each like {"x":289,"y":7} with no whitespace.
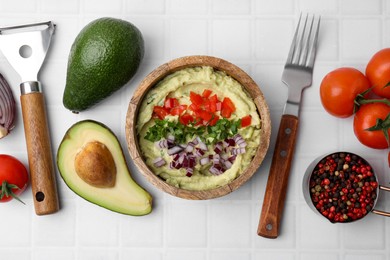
{"x":297,"y":75}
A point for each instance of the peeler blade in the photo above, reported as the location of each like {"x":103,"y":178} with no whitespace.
{"x":25,"y":47}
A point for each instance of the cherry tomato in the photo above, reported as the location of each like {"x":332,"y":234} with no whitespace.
{"x":178,"y":110}
{"x":367,"y":117}
{"x":339,"y":89}
{"x":196,"y":99}
{"x":206,"y":93}
{"x":378,"y":72}
{"x":13,"y":178}
{"x":171,"y":103}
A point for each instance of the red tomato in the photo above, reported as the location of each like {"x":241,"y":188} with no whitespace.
{"x":366,"y":117}
{"x":161,"y":112}
{"x":228,"y":107}
{"x":13,"y":178}
{"x":388,"y":158}
{"x":186,"y":119}
{"x":213,"y":121}
{"x":178,"y":110}
{"x":170,"y":103}
{"x":339,"y":89}
{"x":196,"y":99}
{"x":378,"y":72}
{"x":206,"y":93}
{"x":246,"y":121}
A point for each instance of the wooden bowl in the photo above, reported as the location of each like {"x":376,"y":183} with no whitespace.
{"x":193,"y":61}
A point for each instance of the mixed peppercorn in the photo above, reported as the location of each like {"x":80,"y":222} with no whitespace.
{"x":343,"y":187}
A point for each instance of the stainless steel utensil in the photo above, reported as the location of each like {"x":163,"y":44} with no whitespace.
{"x":25,"y":48}
{"x":297,"y":75}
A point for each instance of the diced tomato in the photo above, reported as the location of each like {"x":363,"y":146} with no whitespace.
{"x":196,"y":99}
{"x":246,"y":121}
{"x":161,"y":112}
{"x":178,"y":110}
{"x":186,"y":119}
{"x":214,"y":120}
{"x":193,"y":107}
{"x":207,"y":116}
{"x":219,"y":105}
{"x":171,"y":103}
{"x":206,"y":93}
{"x":228,"y":103}
{"x":227,"y":107}
{"x":226,"y":112}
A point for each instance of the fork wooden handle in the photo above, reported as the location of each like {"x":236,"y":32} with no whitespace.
{"x":42,"y":172}
{"x":275,"y":193}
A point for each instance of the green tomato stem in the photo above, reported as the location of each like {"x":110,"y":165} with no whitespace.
{"x":6,"y":190}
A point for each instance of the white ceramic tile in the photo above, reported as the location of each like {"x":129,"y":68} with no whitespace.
{"x":231,"y":7}
{"x":230,"y":39}
{"x":272,"y":256}
{"x":145,"y":6}
{"x":101,"y":7}
{"x":312,"y":226}
{"x":67,"y":7}
{"x":50,"y":253}
{"x":18,"y":6}
{"x":97,"y":254}
{"x":226,"y":227}
{"x":276,"y":6}
{"x":230,"y":255}
{"x":47,"y":232}
{"x":326,"y":135}
{"x":273,"y":39}
{"x":188,"y":254}
{"x":15,"y":254}
{"x":153,"y":32}
{"x":150,"y":229}
{"x":96,"y":226}
{"x":353,"y":45}
{"x":318,"y":6}
{"x":372,"y":228}
{"x":361,"y":7}
{"x":187,"y":7}
{"x":319,"y":255}
{"x":18,"y":231}
{"x":141,"y":254}
{"x":188,"y":37}
{"x":364,"y":256}
{"x":328,"y":41}
{"x":186,"y":225}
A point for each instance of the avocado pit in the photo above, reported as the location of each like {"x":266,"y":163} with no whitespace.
{"x":95,"y":165}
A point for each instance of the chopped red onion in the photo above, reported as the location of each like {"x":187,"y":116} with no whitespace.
{"x":204,"y":160}
{"x":189,"y":172}
{"x":174,"y":150}
{"x":227,"y":164}
{"x":163,"y":143}
{"x":159,"y":161}
{"x":199,"y":152}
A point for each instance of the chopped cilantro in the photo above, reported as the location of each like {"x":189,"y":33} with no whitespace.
{"x":212,"y":134}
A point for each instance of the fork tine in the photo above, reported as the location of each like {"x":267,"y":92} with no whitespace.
{"x":305,"y":48}
{"x":298,"y":47}
{"x":293,"y":43}
{"x":313,"y":47}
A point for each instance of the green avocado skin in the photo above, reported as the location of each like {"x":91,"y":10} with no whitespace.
{"x":103,"y":58}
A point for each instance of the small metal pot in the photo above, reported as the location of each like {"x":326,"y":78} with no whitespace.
{"x":306,"y":187}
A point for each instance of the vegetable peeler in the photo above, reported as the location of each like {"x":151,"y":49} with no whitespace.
{"x":25,"y":48}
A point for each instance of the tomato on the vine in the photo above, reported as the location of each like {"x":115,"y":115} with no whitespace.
{"x":378,"y":72}
{"x":339,"y":88}
{"x":13,"y":178}
{"x":371,"y":125}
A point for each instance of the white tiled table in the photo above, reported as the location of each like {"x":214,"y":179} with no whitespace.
{"x":255,"y":35}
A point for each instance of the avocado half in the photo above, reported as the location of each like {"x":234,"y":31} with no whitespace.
{"x":124,"y":195}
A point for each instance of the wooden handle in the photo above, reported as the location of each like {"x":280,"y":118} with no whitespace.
{"x":276,"y":189}
{"x":42,"y":173}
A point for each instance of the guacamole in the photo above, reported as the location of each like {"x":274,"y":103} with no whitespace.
{"x":221,"y":124}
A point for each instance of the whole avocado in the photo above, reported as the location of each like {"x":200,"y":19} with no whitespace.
{"x":103,"y":58}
